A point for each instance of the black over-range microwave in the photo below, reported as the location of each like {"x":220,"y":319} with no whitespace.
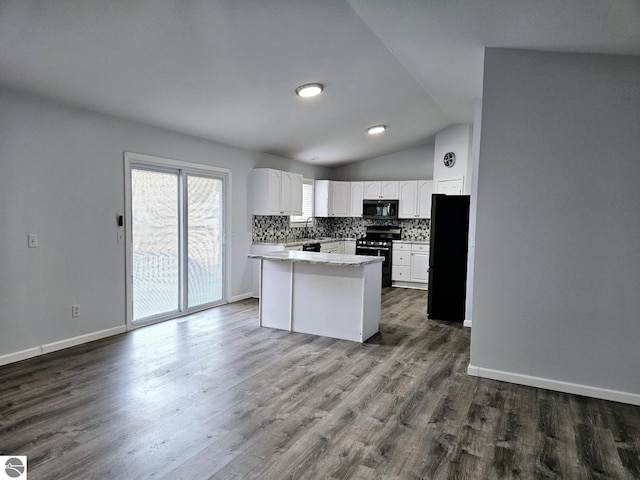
{"x":380,"y":209}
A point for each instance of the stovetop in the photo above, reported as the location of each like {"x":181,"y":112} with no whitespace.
{"x":380,"y":236}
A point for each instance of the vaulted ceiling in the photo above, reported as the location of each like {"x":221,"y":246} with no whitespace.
{"x":227,"y":69}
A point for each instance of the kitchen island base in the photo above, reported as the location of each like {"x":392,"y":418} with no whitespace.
{"x":332,"y":299}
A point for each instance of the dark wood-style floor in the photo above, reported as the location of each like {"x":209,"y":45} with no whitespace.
{"x":215,"y":396}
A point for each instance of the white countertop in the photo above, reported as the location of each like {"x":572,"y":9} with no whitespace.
{"x":334,"y":259}
{"x":419,"y":242}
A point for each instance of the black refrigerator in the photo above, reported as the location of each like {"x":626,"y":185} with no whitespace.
{"x":448,"y":244}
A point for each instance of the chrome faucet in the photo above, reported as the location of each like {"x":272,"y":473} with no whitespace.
{"x":306,"y":227}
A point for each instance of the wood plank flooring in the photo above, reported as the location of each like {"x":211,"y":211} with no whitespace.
{"x":213,"y":396}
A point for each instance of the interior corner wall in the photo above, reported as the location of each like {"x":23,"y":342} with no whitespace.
{"x":558,"y":226}
{"x":62,"y":178}
{"x":411,"y":164}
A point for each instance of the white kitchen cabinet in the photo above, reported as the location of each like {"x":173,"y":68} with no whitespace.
{"x":349,"y":247}
{"x":420,"y":263}
{"x":357,"y":195}
{"x":410,"y":265}
{"x":296,"y":182}
{"x":331,"y":198}
{"x":330,"y":247}
{"x":386,"y":190}
{"x":415,"y":198}
{"x":275,"y":192}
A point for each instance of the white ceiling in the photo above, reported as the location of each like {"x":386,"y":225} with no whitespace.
{"x":227,"y":69}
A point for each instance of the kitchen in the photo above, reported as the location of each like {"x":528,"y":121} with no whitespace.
{"x":385,"y":218}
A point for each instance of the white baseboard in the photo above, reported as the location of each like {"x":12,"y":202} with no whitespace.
{"x":242,"y":296}
{"x":59,"y":345}
{"x":467,"y":323}
{"x":549,"y":384}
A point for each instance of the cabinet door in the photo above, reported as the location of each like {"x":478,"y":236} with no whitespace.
{"x":296,"y":193}
{"x":425,"y":190}
{"x":401,"y":258}
{"x":389,"y":190}
{"x":372,"y":190}
{"x":350,"y":247}
{"x":339,"y":199}
{"x":450,"y":186}
{"x":331,"y":247}
{"x":265,"y":194}
{"x":275,"y":186}
{"x":419,"y":267}
{"x":285,"y":193}
{"x":408,"y":192}
{"x":357,"y":195}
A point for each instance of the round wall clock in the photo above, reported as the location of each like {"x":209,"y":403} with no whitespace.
{"x":449,"y":159}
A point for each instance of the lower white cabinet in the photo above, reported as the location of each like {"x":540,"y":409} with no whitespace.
{"x":349,"y":247}
{"x":410,"y":265}
{"x":331,"y":247}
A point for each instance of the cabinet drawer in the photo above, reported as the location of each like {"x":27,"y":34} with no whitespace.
{"x":401,"y":258}
{"x":420,"y":247}
{"x":401,"y":273}
{"x":402,"y":246}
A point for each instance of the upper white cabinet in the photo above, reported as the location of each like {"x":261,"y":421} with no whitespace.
{"x":357,"y":195}
{"x":387,"y":190}
{"x":275,"y":192}
{"x":415,"y":198}
{"x":332,"y":199}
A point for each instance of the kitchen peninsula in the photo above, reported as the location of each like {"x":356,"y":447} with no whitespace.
{"x":325,"y":294}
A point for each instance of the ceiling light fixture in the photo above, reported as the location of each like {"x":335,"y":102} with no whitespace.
{"x":309,"y":90}
{"x":376,"y":129}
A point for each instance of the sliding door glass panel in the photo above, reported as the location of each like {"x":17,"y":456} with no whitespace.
{"x":204,"y":240}
{"x":155,"y":234}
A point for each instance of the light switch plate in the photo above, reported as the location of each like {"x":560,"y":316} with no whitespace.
{"x":32,"y":240}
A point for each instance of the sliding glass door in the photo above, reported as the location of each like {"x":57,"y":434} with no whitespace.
{"x":156,"y":243}
{"x":177,"y":241}
{"x":204,"y":240}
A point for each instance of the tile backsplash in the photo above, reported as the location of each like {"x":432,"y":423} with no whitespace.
{"x":278,"y":229}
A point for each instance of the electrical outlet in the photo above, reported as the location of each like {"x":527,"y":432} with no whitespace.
{"x":75,"y":310}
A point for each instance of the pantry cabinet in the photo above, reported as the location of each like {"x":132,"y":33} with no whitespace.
{"x":274,"y":192}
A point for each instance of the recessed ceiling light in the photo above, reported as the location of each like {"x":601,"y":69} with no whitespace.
{"x":376,"y":129}
{"x":309,"y":90}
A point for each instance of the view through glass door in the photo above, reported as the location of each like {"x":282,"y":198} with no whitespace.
{"x":177,"y":241}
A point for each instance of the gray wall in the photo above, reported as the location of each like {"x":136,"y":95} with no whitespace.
{"x":415,"y":163}
{"x":557,"y":259}
{"x":62,"y":177}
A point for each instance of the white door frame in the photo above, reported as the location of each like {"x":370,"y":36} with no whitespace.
{"x":140,"y":160}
